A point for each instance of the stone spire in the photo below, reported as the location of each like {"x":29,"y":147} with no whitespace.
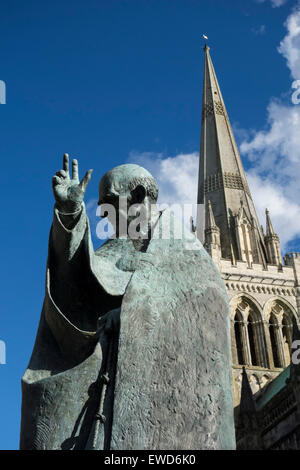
{"x":212,"y":235}
{"x":210,"y":220}
{"x":269,"y":226}
{"x":222,"y":178}
{"x":272,"y":242}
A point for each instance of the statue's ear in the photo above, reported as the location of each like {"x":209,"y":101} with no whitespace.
{"x":138,"y":194}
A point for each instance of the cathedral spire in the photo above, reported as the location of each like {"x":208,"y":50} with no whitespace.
{"x":222,"y":178}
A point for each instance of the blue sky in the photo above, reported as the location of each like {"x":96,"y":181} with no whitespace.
{"x":113,"y":81}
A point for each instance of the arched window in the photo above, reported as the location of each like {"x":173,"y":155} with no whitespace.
{"x":281,"y":323}
{"x":252,"y":334}
{"x":238,"y":325}
{"x":273,"y":329}
{"x":249,"y":338}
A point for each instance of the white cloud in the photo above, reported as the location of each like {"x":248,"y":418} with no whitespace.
{"x":290,"y":45}
{"x":278,"y":3}
{"x":177,"y":178}
{"x":260,"y":30}
{"x":274,"y":3}
{"x":275,"y":151}
{"x":285,"y":213}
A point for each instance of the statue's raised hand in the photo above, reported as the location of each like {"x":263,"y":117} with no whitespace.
{"x":69,"y":192}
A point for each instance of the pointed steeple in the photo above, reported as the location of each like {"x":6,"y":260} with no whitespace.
{"x":212,"y":242}
{"x":272,"y":243}
{"x":221,"y":175}
{"x":269,"y":226}
{"x":210,"y":220}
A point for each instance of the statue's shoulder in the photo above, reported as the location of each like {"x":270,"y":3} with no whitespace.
{"x":178,"y":255}
{"x":171,"y":233}
{"x":115,"y":247}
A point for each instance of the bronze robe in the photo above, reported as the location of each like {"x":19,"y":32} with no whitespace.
{"x":169,"y":366}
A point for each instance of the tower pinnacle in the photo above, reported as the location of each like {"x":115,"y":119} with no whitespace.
{"x":210,"y":220}
{"x":272,"y":242}
{"x":269,"y":226}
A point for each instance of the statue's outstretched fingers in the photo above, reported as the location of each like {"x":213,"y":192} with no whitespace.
{"x":75,"y":170}
{"x":66,"y":163}
{"x":56,"y":180}
{"x":61,"y":173}
{"x":86,"y":179}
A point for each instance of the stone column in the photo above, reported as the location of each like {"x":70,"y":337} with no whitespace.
{"x":246,"y":345}
{"x":262,"y":353}
{"x":269,"y":351}
{"x":280,"y":344}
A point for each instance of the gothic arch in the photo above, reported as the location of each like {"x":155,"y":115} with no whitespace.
{"x":282,"y":301}
{"x":248,"y":341}
{"x":248,"y":296}
{"x":281,"y":318}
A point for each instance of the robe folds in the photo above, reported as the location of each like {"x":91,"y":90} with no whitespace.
{"x":159,"y":380}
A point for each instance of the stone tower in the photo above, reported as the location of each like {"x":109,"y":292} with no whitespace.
{"x":264,"y":292}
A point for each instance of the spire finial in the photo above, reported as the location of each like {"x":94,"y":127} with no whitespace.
{"x":206,"y":48}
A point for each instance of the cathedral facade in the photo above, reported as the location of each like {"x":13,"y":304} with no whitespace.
{"x":263,"y":288}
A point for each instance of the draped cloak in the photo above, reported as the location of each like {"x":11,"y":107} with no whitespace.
{"x":169,"y":364}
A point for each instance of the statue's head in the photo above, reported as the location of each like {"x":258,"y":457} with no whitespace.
{"x":130,"y":189}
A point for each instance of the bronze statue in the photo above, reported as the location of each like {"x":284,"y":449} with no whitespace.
{"x":133,"y":346}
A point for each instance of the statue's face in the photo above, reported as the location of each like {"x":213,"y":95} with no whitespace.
{"x":116,"y":199}
{"x":120,"y":205}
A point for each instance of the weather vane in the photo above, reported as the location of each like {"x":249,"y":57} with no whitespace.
{"x":205,"y":38}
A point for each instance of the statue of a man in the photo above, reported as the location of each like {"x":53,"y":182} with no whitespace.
{"x":133,"y":345}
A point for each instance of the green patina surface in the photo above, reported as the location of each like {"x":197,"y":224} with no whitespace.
{"x":126,"y":355}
